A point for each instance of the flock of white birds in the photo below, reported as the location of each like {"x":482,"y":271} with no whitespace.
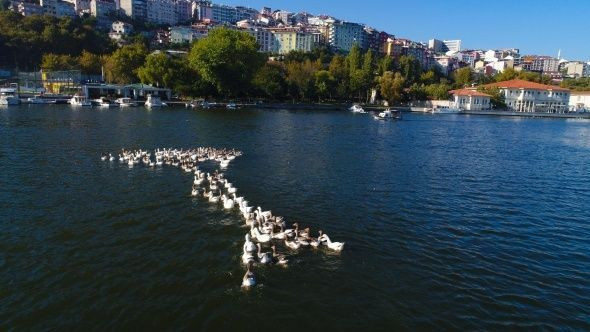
{"x":264,"y":227}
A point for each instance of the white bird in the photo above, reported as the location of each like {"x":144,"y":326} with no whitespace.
{"x":249,"y":246}
{"x":259,"y":236}
{"x":336,"y":246}
{"x":249,"y":279}
{"x":293,"y":244}
{"x":278,"y":259}
{"x":264,"y":258}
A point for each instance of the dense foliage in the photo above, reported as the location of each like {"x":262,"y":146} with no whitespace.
{"x":24,"y":40}
{"x":578,"y":84}
{"x":227,"y":64}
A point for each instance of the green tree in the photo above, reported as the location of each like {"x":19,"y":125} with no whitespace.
{"x":506,"y":75}
{"x":227,"y":59}
{"x":301,"y":78}
{"x":54,"y":62}
{"x":385,"y":64}
{"x":391,"y":87}
{"x":90,"y":63}
{"x":269,"y":81}
{"x":497,"y":99}
{"x":122,"y":66}
{"x":463,"y":77}
{"x":341,"y":75}
{"x":324,"y":84}
{"x":158,"y":70}
{"x":417,"y":92}
{"x":410,"y":69}
{"x":438,"y":91}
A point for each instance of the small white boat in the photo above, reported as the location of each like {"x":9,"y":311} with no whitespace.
{"x":9,"y":97}
{"x":389,"y":114}
{"x":78,"y":100}
{"x":445,"y":110}
{"x":40,"y":100}
{"x":154,"y":101}
{"x":231,"y":106}
{"x":356,"y":108}
{"x":126,"y":102}
{"x":104,"y":102}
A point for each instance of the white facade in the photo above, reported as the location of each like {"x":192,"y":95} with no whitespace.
{"x":135,"y":9}
{"x":264,"y":38}
{"x":161,"y":12}
{"x":101,"y":9}
{"x":524,"y":96}
{"x":180,"y":34}
{"x":287,"y":40}
{"x":470,"y":100}
{"x":452,"y":45}
{"x":344,"y":35}
{"x":579,"y":101}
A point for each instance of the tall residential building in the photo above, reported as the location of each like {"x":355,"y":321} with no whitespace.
{"x":80,"y":6}
{"x":161,"y":12}
{"x":184,"y":10}
{"x":343,"y":36}
{"x":224,"y":14}
{"x":264,"y":38}
{"x":291,"y":39}
{"x":27,"y":8}
{"x":135,"y":9}
{"x":283,"y":16}
{"x":102,"y":10}
{"x":203,"y":10}
{"x":442,"y":46}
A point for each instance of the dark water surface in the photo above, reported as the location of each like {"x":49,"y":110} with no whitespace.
{"x":450,"y":222}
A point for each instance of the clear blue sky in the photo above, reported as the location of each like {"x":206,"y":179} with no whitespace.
{"x":535,"y":26}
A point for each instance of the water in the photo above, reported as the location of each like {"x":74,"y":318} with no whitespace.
{"x":450,"y":222}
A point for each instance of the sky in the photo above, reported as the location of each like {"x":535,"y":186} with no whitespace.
{"x":540,"y":27}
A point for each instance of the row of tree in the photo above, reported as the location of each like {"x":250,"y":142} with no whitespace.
{"x":24,"y":40}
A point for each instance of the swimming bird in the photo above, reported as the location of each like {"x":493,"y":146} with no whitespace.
{"x":249,"y":279}
{"x":336,"y":246}
{"x":264,"y":258}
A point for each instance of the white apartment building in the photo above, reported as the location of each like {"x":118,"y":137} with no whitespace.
{"x":289,"y":39}
{"x":471,"y":100}
{"x":344,"y":35}
{"x":264,"y":38}
{"x":184,"y":10}
{"x":135,"y":9}
{"x":525,"y":96}
{"x":181,"y":34}
{"x":161,"y":12}
{"x":101,"y":9}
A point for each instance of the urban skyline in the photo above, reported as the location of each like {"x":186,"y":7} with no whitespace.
{"x":473,"y":36}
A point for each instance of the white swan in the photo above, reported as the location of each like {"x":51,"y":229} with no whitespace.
{"x":249,"y":246}
{"x":249,"y":279}
{"x":255,"y":232}
{"x":264,"y":258}
{"x":228,"y":203}
{"x":336,"y":246}
{"x":278,"y":259}
{"x":293,"y":244}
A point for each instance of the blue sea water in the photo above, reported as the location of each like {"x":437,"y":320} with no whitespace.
{"x":451,"y":222}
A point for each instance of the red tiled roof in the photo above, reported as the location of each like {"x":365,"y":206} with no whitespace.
{"x":468,"y":92}
{"x":522,"y":84}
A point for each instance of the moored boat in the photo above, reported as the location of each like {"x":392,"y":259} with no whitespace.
{"x":125,"y":102}
{"x":78,"y":100}
{"x":40,"y":100}
{"x":356,"y":108}
{"x":445,"y":110}
{"x":389,"y":114}
{"x":9,"y":96}
{"x":104,"y":102}
{"x":154,"y":101}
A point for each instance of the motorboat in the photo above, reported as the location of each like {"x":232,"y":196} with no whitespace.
{"x":389,"y":114}
{"x":78,"y":100}
{"x":125,"y":102}
{"x":154,"y":101}
{"x":40,"y":100}
{"x":231,"y":106}
{"x":445,"y":110}
{"x":9,"y":96}
{"x":356,"y":108}
{"x":104,"y":102}
{"x":198,"y":104}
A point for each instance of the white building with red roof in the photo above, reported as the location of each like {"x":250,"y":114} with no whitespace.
{"x":471,"y":100}
{"x":525,"y":96}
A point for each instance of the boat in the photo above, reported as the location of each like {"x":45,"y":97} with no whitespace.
{"x":154,"y":101}
{"x":199,"y":103}
{"x":40,"y":100}
{"x":231,"y":106}
{"x":125,"y":102}
{"x":445,"y":110}
{"x":8,"y":96}
{"x":389,"y":114}
{"x":104,"y":102}
{"x":78,"y":100}
{"x":356,"y":108}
